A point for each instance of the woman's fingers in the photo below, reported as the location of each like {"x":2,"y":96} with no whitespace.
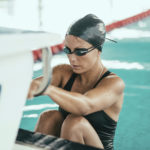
{"x":30,"y":95}
{"x":33,"y":87}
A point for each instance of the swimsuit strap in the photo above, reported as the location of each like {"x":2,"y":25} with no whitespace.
{"x":104,"y":75}
{"x":69,"y":84}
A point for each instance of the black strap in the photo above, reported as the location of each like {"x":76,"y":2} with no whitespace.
{"x":69,"y":84}
{"x":104,"y":75}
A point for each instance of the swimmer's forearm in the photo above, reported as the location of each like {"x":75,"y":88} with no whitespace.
{"x":72,"y":102}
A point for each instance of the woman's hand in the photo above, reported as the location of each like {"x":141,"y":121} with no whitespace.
{"x":33,"y":87}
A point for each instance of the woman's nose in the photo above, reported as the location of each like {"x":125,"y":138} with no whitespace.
{"x":72,"y":57}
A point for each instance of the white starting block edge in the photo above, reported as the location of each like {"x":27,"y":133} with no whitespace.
{"x":18,"y":146}
{"x":12,"y":44}
{"x":16,"y":69}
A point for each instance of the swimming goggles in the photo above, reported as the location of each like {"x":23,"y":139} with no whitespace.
{"x":82,"y":51}
{"x":78,"y":51}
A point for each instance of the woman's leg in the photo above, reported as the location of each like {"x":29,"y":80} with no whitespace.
{"x":78,"y":129}
{"x":50,"y":122}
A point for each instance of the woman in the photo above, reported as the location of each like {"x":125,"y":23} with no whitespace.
{"x":89,"y":96}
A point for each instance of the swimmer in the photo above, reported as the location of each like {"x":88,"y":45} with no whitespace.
{"x":89,"y":96}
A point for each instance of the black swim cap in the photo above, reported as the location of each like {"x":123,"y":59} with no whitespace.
{"x":89,"y":28}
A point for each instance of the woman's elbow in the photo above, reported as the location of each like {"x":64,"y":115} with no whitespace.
{"x":83,"y":108}
{"x":86,"y":110}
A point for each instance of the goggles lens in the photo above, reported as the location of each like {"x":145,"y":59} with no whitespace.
{"x":77,"y":51}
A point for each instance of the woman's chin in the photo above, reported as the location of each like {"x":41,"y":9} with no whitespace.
{"x":77,"y":70}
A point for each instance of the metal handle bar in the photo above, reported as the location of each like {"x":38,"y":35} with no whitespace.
{"x":47,"y":71}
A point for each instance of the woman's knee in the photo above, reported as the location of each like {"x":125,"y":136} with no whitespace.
{"x":50,"y":114}
{"x":48,"y":118}
{"x":78,"y":129}
{"x":73,"y":123}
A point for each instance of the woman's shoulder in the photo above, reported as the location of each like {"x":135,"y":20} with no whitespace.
{"x":114,"y":79}
{"x":110,"y":78}
{"x":63,"y":68}
{"x":61,"y":74}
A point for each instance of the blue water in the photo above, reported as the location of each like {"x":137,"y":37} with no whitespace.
{"x":134,"y":122}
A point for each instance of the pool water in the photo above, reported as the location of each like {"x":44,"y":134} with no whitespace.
{"x":129,"y":59}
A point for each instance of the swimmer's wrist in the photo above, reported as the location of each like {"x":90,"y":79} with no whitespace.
{"x":48,"y":90}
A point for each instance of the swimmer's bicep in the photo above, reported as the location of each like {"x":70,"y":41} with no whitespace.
{"x":106,"y":94}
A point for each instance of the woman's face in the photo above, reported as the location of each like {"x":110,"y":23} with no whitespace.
{"x":81,"y":64}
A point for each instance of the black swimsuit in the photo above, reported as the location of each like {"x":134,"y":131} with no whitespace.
{"x":103,"y":124}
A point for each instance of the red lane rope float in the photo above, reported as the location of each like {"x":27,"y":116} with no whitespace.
{"x":37,"y":54}
{"x":57,"y":48}
{"x":127,"y":21}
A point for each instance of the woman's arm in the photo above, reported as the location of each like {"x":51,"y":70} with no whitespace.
{"x":109,"y":91}
{"x":55,"y":80}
